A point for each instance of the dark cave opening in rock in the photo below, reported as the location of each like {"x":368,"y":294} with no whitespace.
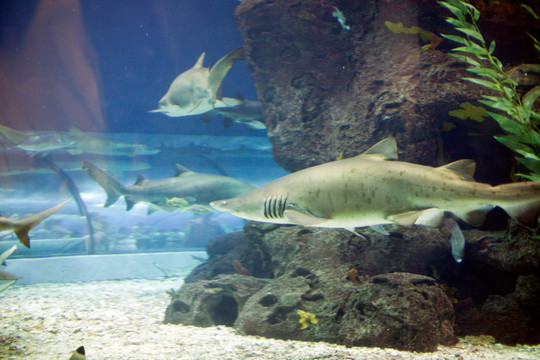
{"x":223,"y":310}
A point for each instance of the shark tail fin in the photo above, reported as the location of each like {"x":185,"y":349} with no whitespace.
{"x":15,"y":136}
{"x":109,"y":183}
{"x":24,"y":225}
{"x":527,"y":208}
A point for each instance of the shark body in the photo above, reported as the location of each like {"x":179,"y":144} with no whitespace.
{"x":371,"y":190}
{"x":194,"y":188}
{"x":195,"y":91}
{"x":247,"y":112}
{"x":21,"y":227}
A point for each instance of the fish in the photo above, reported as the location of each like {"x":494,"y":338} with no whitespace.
{"x":36,"y":142}
{"x":374,"y":188}
{"x":90,"y":144}
{"x":21,"y":227}
{"x":248,"y":113}
{"x":195,"y":188}
{"x":78,"y":354}
{"x":338,"y":14}
{"x":195,"y":91}
{"x":457,"y":239}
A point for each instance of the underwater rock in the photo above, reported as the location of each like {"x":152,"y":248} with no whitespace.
{"x":328,"y":92}
{"x":212,"y":302}
{"x":401,"y":310}
{"x":224,"y":251}
{"x":308,"y":270}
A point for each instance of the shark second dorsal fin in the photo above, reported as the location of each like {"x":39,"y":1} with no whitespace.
{"x":182,"y":170}
{"x":462,"y":169}
{"x":140,"y":180}
{"x":199,"y":62}
{"x":386,"y":148}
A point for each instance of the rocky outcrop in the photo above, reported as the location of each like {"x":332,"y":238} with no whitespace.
{"x":330,"y":92}
{"x":399,"y":291}
{"x":332,"y":274}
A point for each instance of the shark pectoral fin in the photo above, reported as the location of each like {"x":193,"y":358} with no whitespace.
{"x":427,"y":217}
{"x":220,"y":69}
{"x":301,"y":218}
{"x":129,"y":203}
{"x":406,"y":218}
{"x":430,"y":217}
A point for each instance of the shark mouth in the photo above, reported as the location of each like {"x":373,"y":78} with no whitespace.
{"x":274,"y":207}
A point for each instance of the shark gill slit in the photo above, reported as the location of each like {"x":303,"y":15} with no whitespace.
{"x":274,"y":207}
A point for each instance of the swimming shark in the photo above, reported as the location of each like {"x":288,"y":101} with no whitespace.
{"x":194,"y":188}
{"x":248,"y":112}
{"x":21,"y":227}
{"x":375,"y":189}
{"x":195,"y":91}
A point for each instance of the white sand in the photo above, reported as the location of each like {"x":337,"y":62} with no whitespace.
{"x":123,"y":320}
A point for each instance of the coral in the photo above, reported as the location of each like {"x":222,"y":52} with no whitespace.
{"x":306,"y":318}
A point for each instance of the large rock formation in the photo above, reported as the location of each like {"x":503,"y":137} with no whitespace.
{"x":328,"y":91}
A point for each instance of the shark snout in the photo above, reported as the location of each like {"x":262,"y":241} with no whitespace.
{"x":220,"y":205}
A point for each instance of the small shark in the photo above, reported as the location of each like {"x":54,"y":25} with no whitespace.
{"x":195,"y":91}
{"x":35,"y":142}
{"x":21,"y":227}
{"x":195,"y":188}
{"x":90,"y":144}
{"x":247,"y":112}
{"x":370,"y":190}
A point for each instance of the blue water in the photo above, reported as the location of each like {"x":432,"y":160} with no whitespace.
{"x":100,"y":66}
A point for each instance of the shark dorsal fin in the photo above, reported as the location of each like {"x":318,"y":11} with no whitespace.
{"x":462,"y":169}
{"x":75,"y":131}
{"x":386,"y":149}
{"x":140,"y":180}
{"x":199,"y":63}
{"x":182,"y":170}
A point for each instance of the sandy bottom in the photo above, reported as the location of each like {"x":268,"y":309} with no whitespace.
{"x":123,"y":320}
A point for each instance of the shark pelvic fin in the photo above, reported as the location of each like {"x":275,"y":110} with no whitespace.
{"x":462,"y":169}
{"x":386,"y":149}
{"x":302,"y":218}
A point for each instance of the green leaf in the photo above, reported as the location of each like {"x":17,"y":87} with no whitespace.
{"x":481,"y":71}
{"x":457,"y":38}
{"x":492,"y":47}
{"x":506,"y":123}
{"x":530,"y":97}
{"x":466,"y":59}
{"x":532,"y":165}
{"x":456,"y":11}
{"x":473,"y":49}
{"x":514,"y":143}
{"x":472,"y":33}
{"x":528,"y":155}
{"x":486,"y":83}
{"x":456,"y":22}
{"x":475,"y":13}
{"x":531,"y":11}
{"x":500,"y":105}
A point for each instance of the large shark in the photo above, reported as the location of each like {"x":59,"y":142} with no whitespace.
{"x":195,"y":91}
{"x":21,"y":227}
{"x":372,"y":190}
{"x":187,"y":189}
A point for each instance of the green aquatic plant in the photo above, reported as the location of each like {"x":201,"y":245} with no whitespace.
{"x":513,"y":113}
